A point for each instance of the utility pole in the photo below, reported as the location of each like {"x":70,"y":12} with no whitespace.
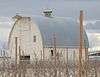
{"x":81,"y":43}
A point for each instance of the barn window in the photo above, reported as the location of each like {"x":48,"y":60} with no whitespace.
{"x":25,"y":59}
{"x":34,"y":38}
{"x":51,"y":52}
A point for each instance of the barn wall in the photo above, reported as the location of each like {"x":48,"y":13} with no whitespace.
{"x":25,"y":31}
{"x":65,"y":54}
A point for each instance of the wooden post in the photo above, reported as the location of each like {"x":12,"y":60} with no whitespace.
{"x":16,"y":56}
{"x":1,"y":53}
{"x":43,"y":53}
{"x":19,"y":54}
{"x":16,"y":50}
{"x":67,"y":72}
{"x":55,"y":75}
{"x":74,"y":64}
{"x":67,"y":55}
{"x":43,"y":59}
{"x":19,"y":72}
{"x":81,"y":43}
{"x":86,"y":61}
{"x":54,"y":38}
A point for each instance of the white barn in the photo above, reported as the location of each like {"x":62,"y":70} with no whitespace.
{"x":35,"y":37}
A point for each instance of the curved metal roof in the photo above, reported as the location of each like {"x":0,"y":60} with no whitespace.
{"x":66,"y":31}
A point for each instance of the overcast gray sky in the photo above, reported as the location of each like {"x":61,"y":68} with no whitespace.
{"x":64,"y":8}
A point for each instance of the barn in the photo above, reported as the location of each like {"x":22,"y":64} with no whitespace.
{"x":41,"y":37}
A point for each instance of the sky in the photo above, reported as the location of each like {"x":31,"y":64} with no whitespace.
{"x":63,"y":8}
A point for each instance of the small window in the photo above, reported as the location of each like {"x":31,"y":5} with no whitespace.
{"x":51,"y":52}
{"x":24,"y":57}
{"x":34,"y":38}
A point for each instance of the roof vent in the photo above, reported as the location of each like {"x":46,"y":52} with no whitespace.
{"x":48,"y":13}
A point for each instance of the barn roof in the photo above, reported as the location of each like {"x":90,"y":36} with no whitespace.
{"x":66,"y":31}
